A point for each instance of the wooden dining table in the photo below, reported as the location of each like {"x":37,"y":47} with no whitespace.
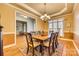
{"x":40,"y":38}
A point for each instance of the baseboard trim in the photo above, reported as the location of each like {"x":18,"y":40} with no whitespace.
{"x":66,"y":39}
{"x":7,"y":46}
{"x":72,"y":42}
{"x":76,"y":47}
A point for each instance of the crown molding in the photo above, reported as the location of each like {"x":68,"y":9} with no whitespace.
{"x":22,"y":11}
{"x":62,"y":11}
{"x":59,"y":16}
{"x":30,"y":9}
{"x":39,"y":14}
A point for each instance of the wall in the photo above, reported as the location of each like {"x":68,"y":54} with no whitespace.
{"x":68,"y":26}
{"x":41,"y":25}
{"x":8,"y":22}
{"x":46,"y":26}
{"x":76,"y":24}
{"x":30,"y":25}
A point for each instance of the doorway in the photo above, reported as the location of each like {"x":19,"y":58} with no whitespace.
{"x":21,"y":27}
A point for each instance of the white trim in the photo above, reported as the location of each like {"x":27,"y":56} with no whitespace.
{"x":29,"y":8}
{"x":22,"y":11}
{"x":7,"y":46}
{"x":8,"y":33}
{"x":74,"y":7}
{"x":66,"y":39}
{"x":67,"y":31}
{"x":72,"y":42}
{"x":76,"y":47}
{"x":76,"y":33}
{"x":60,"y":16}
{"x":62,"y":11}
{"x":15,"y":29}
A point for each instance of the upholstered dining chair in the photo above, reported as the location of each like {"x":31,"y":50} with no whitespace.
{"x":50,"y":43}
{"x":31,"y":44}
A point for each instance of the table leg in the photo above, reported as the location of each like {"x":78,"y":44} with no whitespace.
{"x":41,"y":47}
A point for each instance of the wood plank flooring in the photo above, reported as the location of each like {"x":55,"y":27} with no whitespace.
{"x":69,"y":49}
{"x":12,"y":51}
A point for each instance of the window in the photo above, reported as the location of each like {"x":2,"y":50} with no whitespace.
{"x":56,"y":26}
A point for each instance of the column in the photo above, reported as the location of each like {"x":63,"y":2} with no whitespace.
{"x":1,"y":42}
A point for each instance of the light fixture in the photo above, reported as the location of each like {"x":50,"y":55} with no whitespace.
{"x":25,"y":16}
{"x":45,"y":16}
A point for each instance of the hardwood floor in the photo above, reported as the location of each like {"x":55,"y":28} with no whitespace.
{"x":68,"y":50}
{"x":12,"y":51}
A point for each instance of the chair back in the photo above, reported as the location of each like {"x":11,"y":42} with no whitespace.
{"x":29,"y":39}
{"x":56,"y":36}
{"x":51,"y":39}
{"x":38,"y":32}
{"x":56,"y":39}
{"x":33,"y":33}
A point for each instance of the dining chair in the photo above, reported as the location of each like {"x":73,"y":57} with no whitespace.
{"x":56,"y":39}
{"x":39,"y":32}
{"x":49,"y":43}
{"x":33,"y":33}
{"x":31,"y":44}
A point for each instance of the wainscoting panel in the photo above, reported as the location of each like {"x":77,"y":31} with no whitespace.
{"x":68,"y":35}
{"x":8,"y":39}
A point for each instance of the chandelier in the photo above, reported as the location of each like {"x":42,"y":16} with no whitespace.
{"x":45,"y":16}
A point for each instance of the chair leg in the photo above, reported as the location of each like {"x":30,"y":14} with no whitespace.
{"x":49,"y":51}
{"x":33,"y":52}
{"x":42,"y":51}
{"x":27,"y":50}
{"x":53,"y":47}
{"x":56,"y":44}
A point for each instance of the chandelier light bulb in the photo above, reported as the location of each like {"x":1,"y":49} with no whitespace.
{"x":45,"y":16}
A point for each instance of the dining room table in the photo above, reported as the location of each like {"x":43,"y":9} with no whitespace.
{"x":41,"y":39}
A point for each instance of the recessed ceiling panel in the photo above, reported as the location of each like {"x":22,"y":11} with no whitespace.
{"x":51,"y":8}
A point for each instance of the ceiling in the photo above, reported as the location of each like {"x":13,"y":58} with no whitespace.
{"x":52,"y":9}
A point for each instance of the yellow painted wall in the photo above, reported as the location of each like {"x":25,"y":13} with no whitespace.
{"x":41,"y":25}
{"x":7,"y":19}
{"x":7,"y":14}
{"x":76,"y":24}
{"x":68,"y":26}
{"x":46,"y":26}
{"x":68,"y":23}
